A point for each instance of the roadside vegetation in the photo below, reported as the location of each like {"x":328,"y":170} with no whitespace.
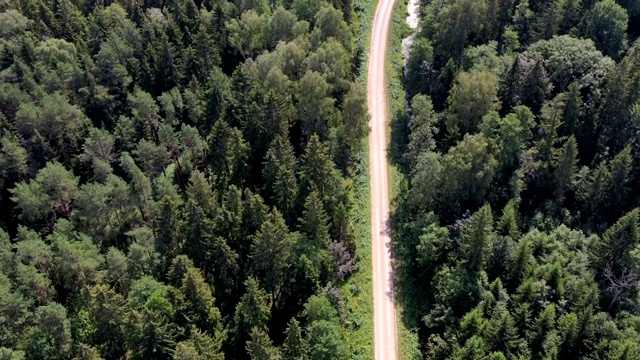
{"x":408,"y":346}
{"x":359,"y":287}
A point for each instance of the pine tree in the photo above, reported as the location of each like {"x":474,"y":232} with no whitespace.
{"x":572,"y":110}
{"x":593,"y":192}
{"x":252,"y":310}
{"x":280,"y":177}
{"x":199,"y":239}
{"x":521,"y":262}
{"x":555,"y":279}
{"x":295,"y":347}
{"x":617,"y":193}
{"x":315,"y":228}
{"x":271,"y":251}
{"x":260,"y":346}
{"x":550,"y":121}
{"x":153,"y":336}
{"x":228,"y":154}
{"x":477,"y":239}
{"x":565,"y":169}
{"x":508,"y":223}
{"x":510,"y":91}
{"x":537,"y":87}
{"x":318,"y":172}
{"x":474,"y":348}
{"x":69,"y":22}
{"x":501,"y":334}
{"x":200,"y":301}
{"x":169,"y":230}
{"x":109,"y":312}
{"x":472,"y":324}
{"x":613,"y":249}
{"x":199,"y":346}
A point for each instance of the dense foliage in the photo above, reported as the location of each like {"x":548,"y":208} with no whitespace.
{"x":517,"y":230}
{"x":176,"y":178}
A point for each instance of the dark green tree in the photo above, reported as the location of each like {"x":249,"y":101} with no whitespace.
{"x":607,"y":25}
{"x":477,"y":239}
{"x":501,"y":334}
{"x":271,"y":254}
{"x":295,"y":346}
{"x":109,"y":313}
{"x":251,"y":312}
{"x":565,"y":168}
{"x":280,"y":175}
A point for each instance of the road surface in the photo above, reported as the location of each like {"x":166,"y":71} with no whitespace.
{"x":385,"y":339}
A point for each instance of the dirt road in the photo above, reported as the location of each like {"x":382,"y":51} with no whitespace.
{"x":385,"y":340}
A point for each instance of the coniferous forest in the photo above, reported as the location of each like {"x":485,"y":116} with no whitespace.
{"x":517,"y":228}
{"x":177,"y":178}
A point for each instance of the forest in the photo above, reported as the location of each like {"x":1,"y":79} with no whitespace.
{"x":517,"y":228}
{"x":177,"y":178}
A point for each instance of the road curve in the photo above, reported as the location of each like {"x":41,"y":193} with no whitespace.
{"x":385,"y":338}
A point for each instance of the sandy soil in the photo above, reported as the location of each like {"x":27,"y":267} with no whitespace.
{"x":412,"y":19}
{"x":385,"y":340}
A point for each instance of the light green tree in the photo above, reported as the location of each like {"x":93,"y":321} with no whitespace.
{"x":472,"y":96}
{"x":47,"y":196}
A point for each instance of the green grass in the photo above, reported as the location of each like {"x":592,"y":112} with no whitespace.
{"x":358,"y":289}
{"x":396,"y":131}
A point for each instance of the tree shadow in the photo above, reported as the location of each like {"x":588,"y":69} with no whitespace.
{"x":406,"y":285}
{"x":386,"y":233}
{"x":398,"y":139}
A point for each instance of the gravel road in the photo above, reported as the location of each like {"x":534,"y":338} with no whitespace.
{"x":386,"y":343}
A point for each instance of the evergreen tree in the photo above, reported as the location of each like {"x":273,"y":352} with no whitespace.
{"x":271,"y":251}
{"x":501,"y":334}
{"x":565,"y":168}
{"x":109,"y":313}
{"x":318,"y":172}
{"x":295,"y":346}
{"x":260,"y":346}
{"x":168,"y":233}
{"x":537,"y":87}
{"x":153,"y":336}
{"x":618,"y":189}
{"x":477,"y":239}
{"x":200,"y":301}
{"x":315,"y":229}
{"x":252,"y":311}
{"x":280,"y":177}
{"x":199,"y":238}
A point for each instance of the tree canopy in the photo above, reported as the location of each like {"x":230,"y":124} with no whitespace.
{"x":175,"y":176}
{"x":515,"y":227}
